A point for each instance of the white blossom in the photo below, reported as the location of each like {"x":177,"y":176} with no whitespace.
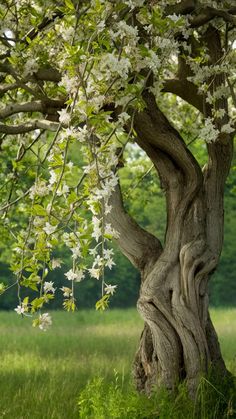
{"x":56,"y":263}
{"x":209,"y":132}
{"x":82,"y":134}
{"x":71,"y":275}
{"x":116,"y":64}
{"x":31,"y":66}
{"x":110,"y":289}
{"x":111,"y":231}
{"x":53,"y":177}
{"x":227,"y":128}
{"x":108,"y":253}
{"x":49,"y":229}
{"x":97,"y":231}
{"x":134,"y":3}
{"x":123,"y":118}
{"x":63,"y":190}
{"x":48,"y":287}
{"x":20,"y":309}
{"x":174,"y":17}
{"x":64,"y":117}
{"x":93,"y":252}
{"x":109,"y":263}
{"x":69,"y":83}
{"x":67,"y":292}
{"x":79,"y":275}
{"x":94,"y":273}
{"x":40,"y":188}
{"x":45,"y":321}
{"x":76,"y":251}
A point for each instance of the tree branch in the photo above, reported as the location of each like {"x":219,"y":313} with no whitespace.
{"x":200,"y":13}
{"x":206,"y":14}
{"x":139,"y":246}
{"x":186,"y":90}
{"x":4,"y":88}
{"x":47,"y":107}
{"x":29,"y":126}
{"x":47,"y":74}
{"x":154,"y":130}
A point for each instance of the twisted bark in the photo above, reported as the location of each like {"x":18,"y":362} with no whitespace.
{"x":178,"y":341}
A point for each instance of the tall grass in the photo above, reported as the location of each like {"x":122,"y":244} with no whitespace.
{"x":42,"y":374}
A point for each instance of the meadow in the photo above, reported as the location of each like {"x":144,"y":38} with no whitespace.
{"x":43,"y":373}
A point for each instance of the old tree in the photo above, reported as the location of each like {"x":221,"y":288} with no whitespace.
{"x":79,"y":82}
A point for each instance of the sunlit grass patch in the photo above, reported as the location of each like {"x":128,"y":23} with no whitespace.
{"x":43,"y":373}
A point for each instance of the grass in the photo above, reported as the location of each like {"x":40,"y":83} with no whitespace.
{"x":43,"y":373}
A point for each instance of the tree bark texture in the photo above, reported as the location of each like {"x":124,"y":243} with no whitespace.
{"x":178,"y":341}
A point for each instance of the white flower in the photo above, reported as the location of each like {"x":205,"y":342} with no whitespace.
{"x":94,"y":273}
{"x":209,"y":133}
{"x":93,"y":252}
{"x":110,"y":289}
{"x":31,"y":66}
{"x":63,"y":190}
{"x":49,"y":229}
{"x":152,"y":61}
{"x":134,"y":3}
{"x":71,"y":275}
{"x":79,"y":275}
{"x":76,"y":252}
{"x":69,"y":83}
{"x":67,"y":292}
{"x":56,"y":263}
{"x":96,"y":228}
{"x":82,"y":134}
{"x":45,"y":321}
{"x":109,"y":263}
{"x":123,"y":118}
{"x":174,"y":17}
{"x":114,"y":64}
{"x":20,"y":309}
{"x":53,"y":177}
{"x":48,"y":287}
{"x":111,"y":231}
{"x":64,"y":117}
{"x":40,"y":188}
{"x":108,"y":208}
{"x":227,"y":129}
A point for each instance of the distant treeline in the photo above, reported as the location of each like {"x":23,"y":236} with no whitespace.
{"x":147,"y":204}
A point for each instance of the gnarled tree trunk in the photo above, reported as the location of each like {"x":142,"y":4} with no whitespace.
{"x":178,"y":341}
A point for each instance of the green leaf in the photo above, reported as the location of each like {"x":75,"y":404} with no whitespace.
{"x":38,"y":210}
{"x":37,"y":303}
{"x":103,"y":303}
{"x":69,"y":4}
{"x":69,"y":304}
{"x":2,"y":287}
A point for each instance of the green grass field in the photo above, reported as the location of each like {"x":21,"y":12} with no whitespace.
{"x":42,"y":373}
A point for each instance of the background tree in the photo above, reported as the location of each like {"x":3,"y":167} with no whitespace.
{"x":104,"y":68}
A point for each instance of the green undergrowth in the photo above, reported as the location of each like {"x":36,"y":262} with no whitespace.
{"x":118,"y":401}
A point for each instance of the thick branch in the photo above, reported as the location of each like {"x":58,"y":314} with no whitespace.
{"x":206,"y":14}
{"x":139,"y":246}
{"x":155,"y":130}
{"x":27,"y":127}
{"x":187,"y":91}
{"x":5,"y":87}
{"x":201,"y":14}
{"x":47,"y":107}
{"x":47,"y":74}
